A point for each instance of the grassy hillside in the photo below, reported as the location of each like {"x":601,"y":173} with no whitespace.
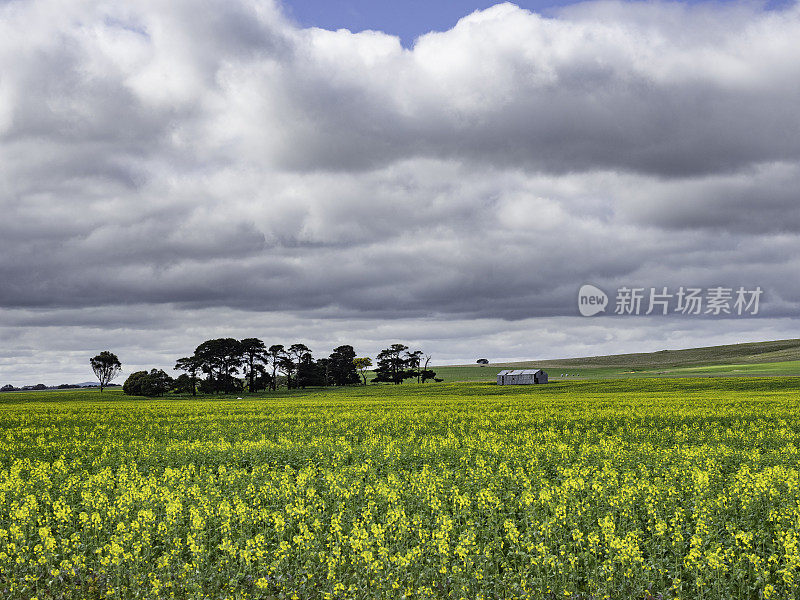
{"x":779,"y":357}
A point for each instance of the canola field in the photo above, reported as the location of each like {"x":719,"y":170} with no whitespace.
{"x":685,"y":488}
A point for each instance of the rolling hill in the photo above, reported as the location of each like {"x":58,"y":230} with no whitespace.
{"x":779,"y":357}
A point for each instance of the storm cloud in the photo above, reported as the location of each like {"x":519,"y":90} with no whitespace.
{"x":171,"y":171}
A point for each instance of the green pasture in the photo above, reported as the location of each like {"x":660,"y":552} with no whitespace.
{"x":773,"y":358}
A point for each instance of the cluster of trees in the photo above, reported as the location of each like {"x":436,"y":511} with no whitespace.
{"x":228,"y":365}
{"x":41,"y":386}
{"x":24,"y":388}
{"x":398,"y":363}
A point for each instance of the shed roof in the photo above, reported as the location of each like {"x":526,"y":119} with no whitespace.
{"x":520,"y":372}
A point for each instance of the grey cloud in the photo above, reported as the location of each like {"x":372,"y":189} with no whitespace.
{"x":164,"y":167}
{"x":761,"y":199}
{"x":446,"y":244}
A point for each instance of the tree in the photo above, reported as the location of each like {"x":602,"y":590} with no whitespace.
{"x":142,"y":383}
{"x":296,"y":353}
{"x":275,"y":356}
{"x":185,"y":384}
{"x":106,"y":367}
{"x":313,"y":372}
{"x":133,"y":384}
{"x":426,"y":373}
{"x":221,"y":359}
{"x":263,"y":380}
{"x":362,"y":364}
{"x":192,"y":365}
{"x":253,"y":352}
{"x":286,"y":366}
{"x":392,"y":365}
{"x":340,"y":366}
{"x":412,"y":360}
{"x":482,"y":361}
{"x":157,"y":383}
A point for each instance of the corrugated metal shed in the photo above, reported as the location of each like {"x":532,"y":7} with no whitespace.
{"x":521,"y":377}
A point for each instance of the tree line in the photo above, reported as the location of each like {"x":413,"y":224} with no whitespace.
{"x":228,"y":365}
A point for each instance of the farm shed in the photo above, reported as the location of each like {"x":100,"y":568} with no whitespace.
{"x":521,"y":377}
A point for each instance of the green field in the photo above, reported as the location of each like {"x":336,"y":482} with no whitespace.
{"x":780,"y":357}
{"x":626,"y":488}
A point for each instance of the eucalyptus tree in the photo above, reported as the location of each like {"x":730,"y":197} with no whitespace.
{"x":106,"y":367}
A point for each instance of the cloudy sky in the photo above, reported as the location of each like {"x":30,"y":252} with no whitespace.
{"x":172,"y":171}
